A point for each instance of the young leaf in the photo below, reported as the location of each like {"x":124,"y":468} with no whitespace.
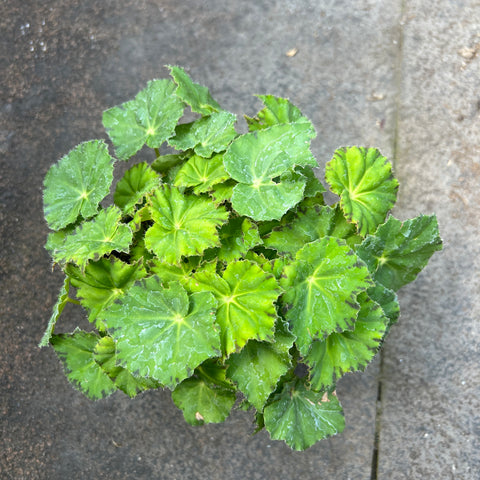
{"x":364,"y":181}
{"x":57,"y":311}
{"x":164,"y":163}
{"x":201,"y":173}
{"x":205,"y":398}
{"x":313,"y":187}
{"x":398,"y":251}
{"x":258,"y":367}
{"x":246,"y":296}
{"x":269,"y":200}
{"x":135,"y":184}
{"x":348,"y":351}
{"x":150,"y":118}
{"x":104,"y":355}
{"x":102,"y":282}
{"x":163,"y":333}
{"x":183,"y":271}
{"x":76,"y":351}
{"x":206,"y":135}
{"x":277,"y":111}
{"x":95,"y":238}
{"x":237,"y":237}
{"x":321,"y":286}
{"x":388,"y":300}
{"x":260,"y":156}
{"x":184,"y":224}
{"x":77,"y":184}
{"x":223,"y":191}
{"x":309,"y":224}
{"x":302,"y":417}
{"x":193,"y":94}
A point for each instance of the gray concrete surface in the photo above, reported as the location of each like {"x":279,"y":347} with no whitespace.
{"x":400,"y":75}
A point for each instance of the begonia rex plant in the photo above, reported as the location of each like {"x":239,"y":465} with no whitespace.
{"x":219,"y":272}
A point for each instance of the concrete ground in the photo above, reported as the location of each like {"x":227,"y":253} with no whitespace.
{"x":402,"y":75}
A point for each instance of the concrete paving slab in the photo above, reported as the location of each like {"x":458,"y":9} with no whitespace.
{"x":430,"y":425}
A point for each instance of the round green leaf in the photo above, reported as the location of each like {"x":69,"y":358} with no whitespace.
{"x":398,"y":251}
{"x":150,"y":118}
{"x":348,"y":351}
{"x":163,"y":333}
{"x":77,"y":184}
{"x":184,"y":224}
{"x":302,"y":417}
{"x":363,"y":179}
{"x":321,"y":287}
{"x":246,"y":296}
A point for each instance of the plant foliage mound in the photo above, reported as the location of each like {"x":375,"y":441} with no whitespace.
{"x":219,"y":272}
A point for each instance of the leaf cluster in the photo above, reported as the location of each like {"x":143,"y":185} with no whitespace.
{"x":219,"y":272}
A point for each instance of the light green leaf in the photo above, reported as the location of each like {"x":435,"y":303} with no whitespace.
{"x":313,"y":187}
{"x":204,"y":397}
{"x":246,"y":296}
{"x":348,"y":351}
{"x":321,"y":287}
{"x":258,"y":367}
{"x":255,"y":158}
{"x":201,"y":173}
{"x":183,"y":271}
{"x":76,"y":184}
{"x":364,"y":181}
{"x":164,"y":163}
{"x":57,"y":311}
{"x":185,"y":224}
{"x":309,"y":224}
{"x":268,"y":200}
{"x":193,"y":94}
{"x":398,"y":251}
{"x":207,"y":135}
{"x":95,"y":238}
{"x":76,"y":351}
{"x":102,"y":282}
{"x":277,"y":111}
{"x":302,"y":417}
{"x":104,"y":355}
{"x":135,"y":184}
{"x":150,"y":118}
{"x":237,"y":237}
{"x":223,"y":191}
{"x":163,"y":333}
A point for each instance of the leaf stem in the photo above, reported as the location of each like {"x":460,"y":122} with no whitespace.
{"x":72,"y":300}
{"x":157,"y":152}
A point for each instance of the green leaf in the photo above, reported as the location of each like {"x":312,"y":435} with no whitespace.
{"x":268,"y":200}
{"x":185,"y":224}
{"x":223,"y":191}
{"x":57,"y":311}
{"x":348,"y":351}
{"x":258,"y":367}
{"x":104,"y":355}
{"x":76,"y":184}
{"x":309,"y":224}
{"x":399,"y":251}
{"x":163,"y":333}
{"x":150,"y":118}
{"x":388,"y":300}
{"x":182,"y":272}
{"x":313,"y":186}
{"x":302,"y":417}
{"x":135,"y":184}
{"x":246,"y":296}
{"x":193,"y":94}
{"x":204,"y":398}
{"x":102,"y":282}
{"x":277,"y":111}
{"x":95,"y":238}
{"x":257,"y":157}
{"x":206,"y":135}
{"x":76,"y":351}
{"x":321,"y":287}
{"x":237,"y":237}
{"x":164,"y":163}
{"x":363,"y":179}
{"x":201,"y":173}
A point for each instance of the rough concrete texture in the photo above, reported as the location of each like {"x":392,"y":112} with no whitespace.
{"x":402,"y":78}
